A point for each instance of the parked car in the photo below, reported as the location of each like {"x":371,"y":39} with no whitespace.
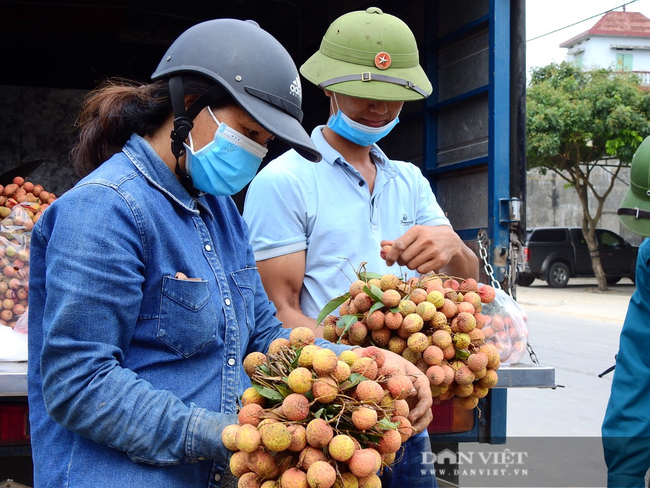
{"x":555,"y":254}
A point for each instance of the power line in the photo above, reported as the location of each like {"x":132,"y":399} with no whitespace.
{"x":581,"y":21}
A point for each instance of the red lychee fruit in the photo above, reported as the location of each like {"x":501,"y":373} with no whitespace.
{"x":321,"y":475}
{"x":295,"y":406}
{"x":487,"y":293}
{"x":435,"y":374}
{"x":433,"y":355}
{"x":369,"y":391}
{"x":252,"y":361}
{"x":451,"y":283}
{"x":391,"y":298}
{"x":247,"y":438}
{"x":277,"y":344}
{"x":309,"y":456}
{"x":356,"y":287}
{"x":238,"y":463}
{"x":400,"y":386}
{"x":228,"y":436}
{"x":248,"y":480}
{"x":301,"y":336}
{"x":418,"y":295}
{"x":390,"y":441}
{"x":298,"y":438}
{"x":364,"y":462}
{"x":393,"y":320}
{"x":375,"y":353}
{"x":365,"y":366}
{"x":319,"y":433}
{"x":375,"y":320}
{"x":468,"y":284}
{"x":324,"y":362}
{"x":325,"y":389}
{"x":300,"y":380}
{"x":363,"y":302}
{"x":388,"y":282}
{"x":250,"y":414}
{"x":294,"y":478}
{"x":364,"y":418}
{"x":477,"y":361}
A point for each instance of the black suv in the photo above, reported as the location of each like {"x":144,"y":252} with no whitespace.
{"x":555,"y":254}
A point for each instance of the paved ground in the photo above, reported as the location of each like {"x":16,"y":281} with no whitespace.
{"x":581,"y":297}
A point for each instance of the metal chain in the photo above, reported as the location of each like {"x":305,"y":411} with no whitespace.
{"x":482,"y":251}
{"x":489,"y":271}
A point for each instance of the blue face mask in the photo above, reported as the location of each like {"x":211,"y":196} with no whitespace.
{"x":225,"y":165}
{"x":360,"y":134}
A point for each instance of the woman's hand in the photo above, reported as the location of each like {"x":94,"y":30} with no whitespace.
{"x":419,"y":399}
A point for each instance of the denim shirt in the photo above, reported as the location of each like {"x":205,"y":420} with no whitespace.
{"x":134,"y":370}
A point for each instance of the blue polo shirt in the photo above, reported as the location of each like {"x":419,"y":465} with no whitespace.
{"x":326,"y":209}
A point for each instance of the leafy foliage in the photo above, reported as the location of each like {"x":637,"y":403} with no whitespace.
{"x":577,"y":119}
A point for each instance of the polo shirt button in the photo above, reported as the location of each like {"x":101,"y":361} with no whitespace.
{"x":208,"y":247}
{"x":231,"y":362}
{"x":361,"y":183}
{"x":217,"y":477}
{"x":201,"y":458}
{"x":227,"y":302}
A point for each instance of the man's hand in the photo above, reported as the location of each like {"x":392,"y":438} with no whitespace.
{"x":428,"y":248}
{"x":420,"y":399}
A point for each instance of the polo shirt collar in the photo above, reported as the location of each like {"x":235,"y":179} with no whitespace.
{"x":331,"y":155}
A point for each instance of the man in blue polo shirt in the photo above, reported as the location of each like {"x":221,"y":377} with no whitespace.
{"x":312,"y":225}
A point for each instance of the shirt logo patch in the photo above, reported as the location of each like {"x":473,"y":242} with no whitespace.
{"x":295,"y":88}
{"x":405,"y":220}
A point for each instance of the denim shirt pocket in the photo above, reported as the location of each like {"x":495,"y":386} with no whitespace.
{"x":187,"y":320}
{"x":245,"y":281}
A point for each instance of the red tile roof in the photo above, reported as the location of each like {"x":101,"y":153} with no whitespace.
{"x":618,"y":24}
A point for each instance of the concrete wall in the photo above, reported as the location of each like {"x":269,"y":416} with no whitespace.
{"x":38,"y":124}
{"x":549,"y":202}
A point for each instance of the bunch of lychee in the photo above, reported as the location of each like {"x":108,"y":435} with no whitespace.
{"x":315,"y":419}
{"x":434,"y":321}
{"x":506,"y":327}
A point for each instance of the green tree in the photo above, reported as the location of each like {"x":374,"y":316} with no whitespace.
{"x":575,"y":120}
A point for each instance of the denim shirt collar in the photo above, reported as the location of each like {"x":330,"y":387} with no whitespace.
{"x":331,"y":155}
{"x":154,"y":169}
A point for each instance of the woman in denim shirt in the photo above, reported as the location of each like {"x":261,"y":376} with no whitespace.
{"x":144,"y":295}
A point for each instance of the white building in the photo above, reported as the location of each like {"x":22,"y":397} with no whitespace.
{"x":619,"y":40}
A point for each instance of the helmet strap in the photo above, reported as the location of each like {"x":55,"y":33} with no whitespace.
{"x":183,"y":122}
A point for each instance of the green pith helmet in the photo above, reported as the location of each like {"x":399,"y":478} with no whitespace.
{"x":369,"y":54}
{"x":634,"y":210}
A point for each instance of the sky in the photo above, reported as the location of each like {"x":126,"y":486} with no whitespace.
{"x":562,"y":20}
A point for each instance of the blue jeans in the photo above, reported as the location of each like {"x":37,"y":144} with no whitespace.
{"x":411,"y":471}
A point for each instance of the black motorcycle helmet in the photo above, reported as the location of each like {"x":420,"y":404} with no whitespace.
{"x":247,"y":63}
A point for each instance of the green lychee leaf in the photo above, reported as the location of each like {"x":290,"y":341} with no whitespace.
{"x":294,"y":363}
{"x":331,"y":306}
{"x":319,"y":413}
{"x":269,"y":393}
{"x":284,"y":391}
{"x":375,"y":306}
{"x":387,"y":424}
{"x":345,"y":323}
{"x":353,"y":380}
{"x":395,"y":309}
{"x":374,"y":292}
{"x":369,"y":275}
